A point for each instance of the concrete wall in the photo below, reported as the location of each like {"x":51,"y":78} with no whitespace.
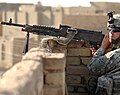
{"x":34,"y":18}
{"x":27,"y":8}
{"x":18,"y":48}
{"x":0,"y":26}
{"x":1,"y":51}
{"x":104,"y":7}
{"x":90,"y":22}
{"x":12,"y":49}
{"x":22,"y":17}
{"x":57,"y":16}
{"x":79,"y":10}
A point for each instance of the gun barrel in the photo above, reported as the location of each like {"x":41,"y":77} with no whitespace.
{"x":12,"y":24}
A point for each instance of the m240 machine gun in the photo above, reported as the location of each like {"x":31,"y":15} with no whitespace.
{"x":94,"y":38}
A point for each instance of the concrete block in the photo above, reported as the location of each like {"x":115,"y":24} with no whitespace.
{"x":81,"y":70}
{"x":33,"y":18}
{"x":28,"y":8}
{"x":79,"y":52}
{"x":53,"y":90}
{"x":73,"y":79}
{"x":71,"y":60}
{"x":75,"y":44}
{"x":54,"y":61}
{"x":86,"y":60}
{"x":22,"y":17}
{"x":55,"y":78}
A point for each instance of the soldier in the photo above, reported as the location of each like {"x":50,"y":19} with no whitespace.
{"x":106,"y":65}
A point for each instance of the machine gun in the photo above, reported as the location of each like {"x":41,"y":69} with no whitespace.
{"x":93,"y":37}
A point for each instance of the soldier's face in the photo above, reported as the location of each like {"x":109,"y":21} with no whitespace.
{"x":113,"y":35}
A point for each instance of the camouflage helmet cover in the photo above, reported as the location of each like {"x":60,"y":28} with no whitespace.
{"x":114,"y":23}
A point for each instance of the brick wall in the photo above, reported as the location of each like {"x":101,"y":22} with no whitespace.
{"x":54,"y":74}
{"x":77,"y":74}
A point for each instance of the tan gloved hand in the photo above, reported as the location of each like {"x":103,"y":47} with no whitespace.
{"x":105,"y":43}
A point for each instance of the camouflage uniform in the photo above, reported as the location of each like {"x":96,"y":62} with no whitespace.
{"x":106,"y":66}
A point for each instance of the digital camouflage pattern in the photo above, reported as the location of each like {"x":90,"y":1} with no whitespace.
{"x":114,"y":22}
{"x":107,"y":67}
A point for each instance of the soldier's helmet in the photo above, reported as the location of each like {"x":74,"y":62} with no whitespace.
{"x":113,"y":22}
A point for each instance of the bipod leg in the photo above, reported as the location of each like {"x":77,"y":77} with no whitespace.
{"x":26,"y":44}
